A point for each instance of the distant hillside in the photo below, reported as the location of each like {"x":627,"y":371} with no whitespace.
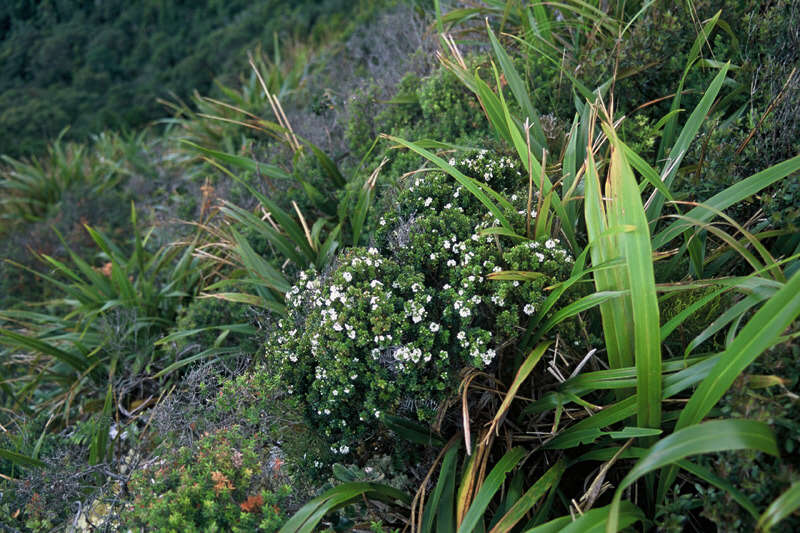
{"x":95,"y":65}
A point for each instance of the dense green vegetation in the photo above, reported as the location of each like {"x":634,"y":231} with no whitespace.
{"x":96,"y":65}
{"x":509,"y":266}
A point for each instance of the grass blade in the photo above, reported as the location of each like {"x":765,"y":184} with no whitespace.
{"x":306,"y":519}
{"x":593,"y":521}
{"x":522,"y":374}
{"x":520,"y":92}
{"x":730,"y":196}
{"x":488,"y":489}
{"x":19,"y":459}
{"x":786,"y":504}
{"x":759,"y":333}
{"x":627,"y":210}
{"x":603,"y":250}
{"x":525,"y":503}
{"x":467,"y":182}
{"x":440,"y":506}
{"x":714,"y":436}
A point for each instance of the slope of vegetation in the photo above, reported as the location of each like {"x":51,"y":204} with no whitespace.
{"x":499,"y":267}
{"x":95,"y":65}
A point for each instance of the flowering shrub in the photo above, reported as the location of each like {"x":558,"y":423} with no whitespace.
{"x":217,"y":485}
{"x":359,"y":342}
{"x":388,"y":329}
{"x":436,"y":228}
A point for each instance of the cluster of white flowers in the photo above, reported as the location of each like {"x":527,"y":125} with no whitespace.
{"x":555,"y":249}
{"x":405,"y":353}
{"x":343,"y":450}
{"x":486,"y":167}
{"x":415,"y":311}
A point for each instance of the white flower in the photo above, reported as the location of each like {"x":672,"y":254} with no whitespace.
{"x":549,"y":244}
{"x":348,"y":277}
{"x":344,"y":449}
{"x":451,"y":262}
{"x":434,"y":327}
{"x":464,"y":312}
{"x":428,"y":201}
{"x":529,"y":309}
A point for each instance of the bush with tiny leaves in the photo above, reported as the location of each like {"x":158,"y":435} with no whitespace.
{"x":388,"y":329}
{"x":219,"y":484}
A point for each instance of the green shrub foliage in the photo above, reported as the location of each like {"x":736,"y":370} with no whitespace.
{"x":219,"y":484}
{"x":388,"y":329}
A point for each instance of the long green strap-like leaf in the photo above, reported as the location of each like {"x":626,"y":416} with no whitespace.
{"x":605,"y":454}
{"x":307,"y":518}
{"x":18,"y":458}
{"x":11,"y":338}
{"x":522,"y":374}
{"x":786,"y":504}
{"x":730,"y":196}
{"x":538,"y":141}
{"x":603,"y":248}
{"x":467,"y":182}
{"x":760,"y":333}
{"x":526,"y":502}
{"x":714,"y":436}
{"x":681,"y":147}
{"x":592,"y":521}
{"x":628,"y":211}
{"x":440,"y":505}
{"x":259,"y":266}
{"x":534,"y":167}
{"x":244,"y":163}
{"x":669,"y":130}
{"x":490,"y":486}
